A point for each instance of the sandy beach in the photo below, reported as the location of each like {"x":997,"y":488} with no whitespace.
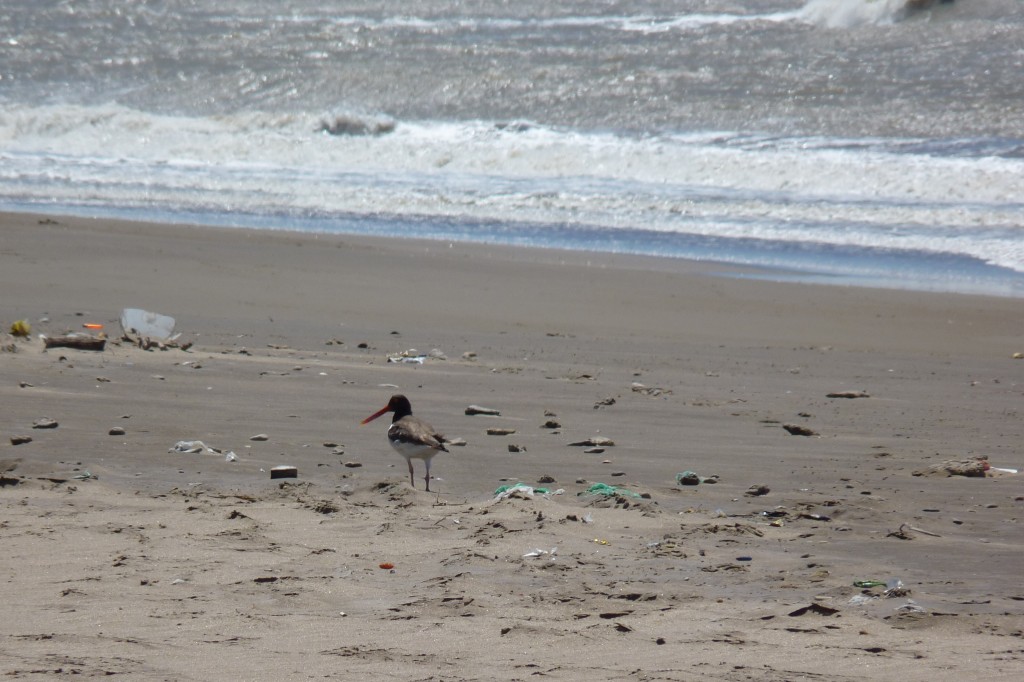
{"x":844,"y":554}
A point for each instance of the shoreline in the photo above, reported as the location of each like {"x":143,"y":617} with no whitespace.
{"x":973,"y":278}
{"x":121,"y":553}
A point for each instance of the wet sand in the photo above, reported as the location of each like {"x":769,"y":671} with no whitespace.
{"x":123,"y":557}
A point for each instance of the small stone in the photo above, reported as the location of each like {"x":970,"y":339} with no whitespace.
{"x":116,"y":431}
{"x":546,"y":479}
{"x":44,"y":423}
{"x":757,"y":490}
{"x":353,"y":465}
{"x":797,"y":430}
{"x":330,"y":444}
{"x":20,"y":440}
{"x":604,"y":402}
{"x":551,"y":424}
{"x":593,"y":451}
{"x":284,"y":471}
{"x":500,"y":432}
{"x":260,"y":437}
{"x":456,"y":442}
{"x":618,"y":473}
{"x":512,"y":447}
{"x":848,"y":394}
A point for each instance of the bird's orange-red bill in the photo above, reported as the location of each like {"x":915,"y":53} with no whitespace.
{"x":376,"y":414}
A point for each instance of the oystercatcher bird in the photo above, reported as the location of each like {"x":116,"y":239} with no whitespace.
{"x":410,"y":436}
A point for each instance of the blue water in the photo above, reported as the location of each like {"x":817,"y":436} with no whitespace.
{"x":843,"y":141}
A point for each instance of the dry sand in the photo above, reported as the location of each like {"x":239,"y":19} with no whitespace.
{"x":123,"y":558}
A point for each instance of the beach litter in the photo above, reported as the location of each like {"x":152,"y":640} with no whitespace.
{"x":192,"y":446}
{"x":595,"y":441}
{"x":199,"y":447}
{"x":910,"y":607}
{"x":21,"y":328}
{"x":693,"y":478}
{"x":608,"y":490}
{"x":143,"y":323}
{"x":407,"y":360}
{"x":971,"y":467}
{"x":905,"y":529}
{"x":414,"y":357}
{"x":650,"y":391}
{"x":149,"y":330}
{"x":523,"y":491}
{"x":477,"y":409}
{"x":797,"y":430}
{"x":537,"y":553}
{"x":894,"y":588}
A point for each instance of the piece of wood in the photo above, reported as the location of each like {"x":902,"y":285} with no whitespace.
{"x":81,"y":342}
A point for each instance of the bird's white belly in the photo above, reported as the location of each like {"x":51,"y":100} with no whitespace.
{"x":413,"y":450}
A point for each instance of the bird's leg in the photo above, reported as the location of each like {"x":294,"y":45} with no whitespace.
{"x":412,"y":477}
{"x":427,"y":476}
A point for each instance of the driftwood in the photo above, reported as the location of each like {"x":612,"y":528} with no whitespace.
{"x":80,"y":341}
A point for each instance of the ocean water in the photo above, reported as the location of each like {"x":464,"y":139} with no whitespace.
{"x":871,"y":142}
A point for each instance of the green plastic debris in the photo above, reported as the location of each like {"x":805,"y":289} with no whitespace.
{"x":605,"y":489}
{"x":688,"y":478}
{"x":869,"y":583}
{"x":693,"y":478}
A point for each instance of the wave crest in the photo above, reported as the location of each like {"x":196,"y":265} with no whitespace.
{"x":850,"y":13}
